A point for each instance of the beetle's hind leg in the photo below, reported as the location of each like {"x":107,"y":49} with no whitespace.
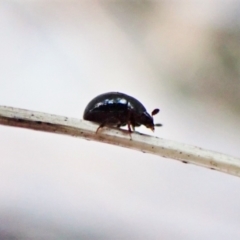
{"x":109,"y":122}
{"x":100,"y":126}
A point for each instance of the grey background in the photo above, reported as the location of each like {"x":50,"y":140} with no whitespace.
{"x":180,"y":56}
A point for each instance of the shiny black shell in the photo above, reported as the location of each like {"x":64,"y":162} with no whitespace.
{"x":117,"y":109}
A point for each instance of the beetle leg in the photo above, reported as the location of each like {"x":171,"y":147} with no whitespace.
{"x":106,"y":123}
{"x":129,"y":119}
{"x":129,"y":127}
{"x":100,"y":126}
{"x":129,"y":130}
{"x":133,"y":127}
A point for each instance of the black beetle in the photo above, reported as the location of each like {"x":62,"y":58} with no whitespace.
{"x":118,"y":109}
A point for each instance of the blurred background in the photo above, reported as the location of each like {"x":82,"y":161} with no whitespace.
{"x":180,"y":56}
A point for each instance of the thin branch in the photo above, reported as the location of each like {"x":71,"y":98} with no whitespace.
{"x":84,"y":129}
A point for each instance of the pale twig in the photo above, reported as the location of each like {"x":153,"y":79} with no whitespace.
{"x":79,"y":128}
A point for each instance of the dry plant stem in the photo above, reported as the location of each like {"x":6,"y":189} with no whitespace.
{"x":79,"y":128}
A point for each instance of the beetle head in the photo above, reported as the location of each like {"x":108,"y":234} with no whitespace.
{"x":147,"y":119}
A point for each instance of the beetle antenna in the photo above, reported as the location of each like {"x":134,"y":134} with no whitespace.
{"x":155,"y":111}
